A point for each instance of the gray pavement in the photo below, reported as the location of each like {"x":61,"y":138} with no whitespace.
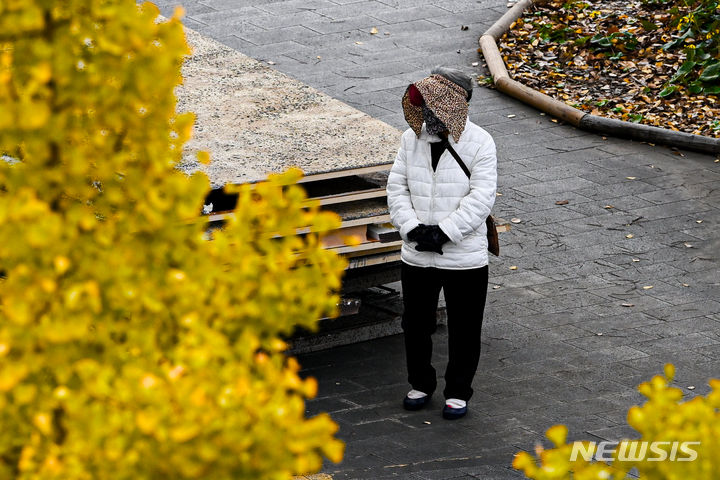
{"x":608,"y":287}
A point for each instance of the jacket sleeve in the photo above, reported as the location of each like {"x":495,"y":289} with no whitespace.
{"x":475,"y":207}
{"x":402,"y":213}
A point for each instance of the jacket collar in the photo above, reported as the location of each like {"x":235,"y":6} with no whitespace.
{"x":425,"y":136}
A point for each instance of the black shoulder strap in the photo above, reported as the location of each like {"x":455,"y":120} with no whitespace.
{"x":457,"y":157}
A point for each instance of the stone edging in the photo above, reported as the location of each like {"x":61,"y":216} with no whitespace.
{"x":574,"y":116}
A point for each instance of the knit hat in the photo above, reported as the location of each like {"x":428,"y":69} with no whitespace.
{"x":446,"y":98}
{"x":455,"y":76}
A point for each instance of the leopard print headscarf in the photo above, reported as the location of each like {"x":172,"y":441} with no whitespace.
{"x":446,"y":99}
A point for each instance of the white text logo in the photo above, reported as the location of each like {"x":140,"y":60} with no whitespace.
{"x":635,"y":451}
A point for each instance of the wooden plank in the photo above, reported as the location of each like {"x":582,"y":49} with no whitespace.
{"x":346,"y":172}
{"x":367,"y":201}
{"x":367,"y":220}
{"x":338,"y":238}
{"x":345,"y":185}
{"x":376,"y":259}
{"x":218,"y":217}
{"x":384,"y":232}
{"x":371,"y":207}
{"x":370,"y":247}
{"x":350,"y":197}
{"x":315,"y":177}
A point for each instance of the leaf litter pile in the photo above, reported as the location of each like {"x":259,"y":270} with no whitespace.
{"x":655,"y":62}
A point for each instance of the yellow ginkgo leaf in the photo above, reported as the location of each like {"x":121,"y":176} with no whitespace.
{"x":204,"y":158}
{"x":557,"y":434}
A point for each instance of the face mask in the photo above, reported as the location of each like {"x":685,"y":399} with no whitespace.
{"x":433,"y":125}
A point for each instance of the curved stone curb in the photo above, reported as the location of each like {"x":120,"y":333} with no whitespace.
{"x":574,"y":116}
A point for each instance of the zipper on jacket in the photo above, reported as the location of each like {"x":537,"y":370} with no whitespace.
{"x":432,"y":204}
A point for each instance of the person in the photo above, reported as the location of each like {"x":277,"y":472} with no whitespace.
{"x":440,"y":212}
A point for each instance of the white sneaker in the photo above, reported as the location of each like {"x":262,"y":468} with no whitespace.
{"x":454,"y":408}
{"x":415,"y":394}
{"x":415,"y":400}
{"x":455,"y":403}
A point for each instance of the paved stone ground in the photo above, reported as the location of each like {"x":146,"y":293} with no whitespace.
{"x":578,"y":274}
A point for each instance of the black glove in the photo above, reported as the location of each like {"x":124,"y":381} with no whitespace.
{"x":431,"y":239}
{"x":416,"y":232}
{"x":437,"y":235}
{"x":428,"y":247}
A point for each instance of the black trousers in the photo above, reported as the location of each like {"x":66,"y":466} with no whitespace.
{"x":465,"y":294}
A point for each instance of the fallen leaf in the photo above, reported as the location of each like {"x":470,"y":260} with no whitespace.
{"x":685,"y":285}
{"x":688,"y":245}
{"x":629,"y":235}
{"x":358,"y":43}
{"x":627,"y":304}
{"x":514,"y":267}
{"x":647,"y":287}
{"x":562,"y":202}
{"x":631,"y":178}
{"x":373,"y":31}
{"x":608,"y":207}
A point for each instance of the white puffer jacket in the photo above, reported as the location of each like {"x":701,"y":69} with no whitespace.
{"x":445,"y":197}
